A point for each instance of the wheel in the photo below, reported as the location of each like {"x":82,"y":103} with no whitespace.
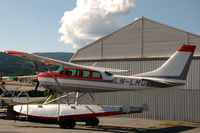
{"x":93,"y":121}
{"x":71,"y":123}
{"x":62,"y":124}
{"x":67,"y":123}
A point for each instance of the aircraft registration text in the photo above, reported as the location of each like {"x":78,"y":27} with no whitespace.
{"x":125,"y":81}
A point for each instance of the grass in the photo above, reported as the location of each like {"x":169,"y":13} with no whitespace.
{"x":172,"y":123}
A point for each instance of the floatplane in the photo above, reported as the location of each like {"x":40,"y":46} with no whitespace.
{"x":15,"y":89}
{"x":79,"y":79}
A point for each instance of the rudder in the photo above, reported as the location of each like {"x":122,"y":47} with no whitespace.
{"x":176,"y":67}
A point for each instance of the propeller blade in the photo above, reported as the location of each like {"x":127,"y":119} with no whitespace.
{"x":36,"y":86}
{"x":36,"y":68}
{"x":1,"y":77}
{"x":37,"y":72}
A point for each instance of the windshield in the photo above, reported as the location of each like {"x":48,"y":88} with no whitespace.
{"x":61,"y":69}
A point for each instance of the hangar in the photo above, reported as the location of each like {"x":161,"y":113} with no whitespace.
{"x":142,"y":46}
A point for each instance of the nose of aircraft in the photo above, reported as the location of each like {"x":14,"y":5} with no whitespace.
{"x":45,"y":74}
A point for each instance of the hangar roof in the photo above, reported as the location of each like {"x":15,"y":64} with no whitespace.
{"x":143,"y":38}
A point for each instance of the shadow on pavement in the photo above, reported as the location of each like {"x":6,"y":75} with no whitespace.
{"x":174,"y":129}
{"x":118,"y":129}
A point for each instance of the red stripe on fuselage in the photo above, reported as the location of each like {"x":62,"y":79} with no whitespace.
{"x":187,"y":48}
{"x":58,"y":75}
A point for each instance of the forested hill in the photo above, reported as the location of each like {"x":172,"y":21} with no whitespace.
{"x":16,"y":65}
{"x":58,"y":55}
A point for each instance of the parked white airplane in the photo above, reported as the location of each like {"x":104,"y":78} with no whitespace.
{"x":88,"y":79}
{"x":74,"y":77}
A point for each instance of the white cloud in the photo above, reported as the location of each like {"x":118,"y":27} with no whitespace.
{"x":91,"y":19}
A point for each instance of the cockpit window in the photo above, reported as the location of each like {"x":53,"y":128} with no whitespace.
{"x":108,"y":73}
{"x":96,"y":75}
{"x":72,"y":72}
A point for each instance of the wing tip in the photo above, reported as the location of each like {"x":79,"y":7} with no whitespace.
{"x":14,"y":52}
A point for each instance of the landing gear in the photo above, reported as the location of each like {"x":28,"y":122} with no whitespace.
{"x":71,"y":123}
{"x":93,"y":121}
{"x":67,"y":123}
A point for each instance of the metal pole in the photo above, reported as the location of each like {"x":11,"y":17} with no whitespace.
{"x":58,"y":119}
{"x":142,"y":38}
{"x":27,"y":105}
{"x":76,"y":100}
{"x":27,"y":109}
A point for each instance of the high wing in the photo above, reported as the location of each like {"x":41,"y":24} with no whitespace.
{"x":57,"y":62}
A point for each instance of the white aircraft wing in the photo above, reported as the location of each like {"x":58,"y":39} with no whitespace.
{"x":58,"y":62}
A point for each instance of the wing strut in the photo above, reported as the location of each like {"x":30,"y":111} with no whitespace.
{"x":47,"y":102}
{"x":93,"y":98}
{"x":65,"y":95}
{"x":76,"y":98}
{"x":54,"y":77}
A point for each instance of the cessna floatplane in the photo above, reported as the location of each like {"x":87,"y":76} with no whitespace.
{"x":79,"y":79}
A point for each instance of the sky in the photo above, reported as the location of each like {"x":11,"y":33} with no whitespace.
{"x":66,"y":25}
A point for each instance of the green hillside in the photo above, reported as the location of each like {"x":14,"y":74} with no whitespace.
{"x":15,"y":65}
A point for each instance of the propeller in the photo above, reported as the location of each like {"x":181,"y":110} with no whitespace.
{"x":36,"y":68}
{"x":36,"y":86}
{"x":37,"y":72}
{"x":1,"y":77}
{"x":2,"y":83}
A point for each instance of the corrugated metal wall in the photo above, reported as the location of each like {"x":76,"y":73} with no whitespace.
{"x":181,"y":103}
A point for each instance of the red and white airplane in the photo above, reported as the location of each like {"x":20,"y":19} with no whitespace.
{"x":72,"y":77}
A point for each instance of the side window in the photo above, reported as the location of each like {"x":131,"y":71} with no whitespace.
{"x":96,"y":75}
{"x":108,"y":73}
{"x":68,"y":72}
{"x":75,"y":72}
{"x":85,"y":73}
{"x":72,"y":72}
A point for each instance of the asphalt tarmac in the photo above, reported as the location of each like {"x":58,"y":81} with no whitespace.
{"x":107,"y":125}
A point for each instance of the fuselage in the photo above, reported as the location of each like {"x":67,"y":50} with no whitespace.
{"x":92,"y":81}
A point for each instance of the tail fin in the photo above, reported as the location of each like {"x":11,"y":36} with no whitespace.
{"x":176,"y":67}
